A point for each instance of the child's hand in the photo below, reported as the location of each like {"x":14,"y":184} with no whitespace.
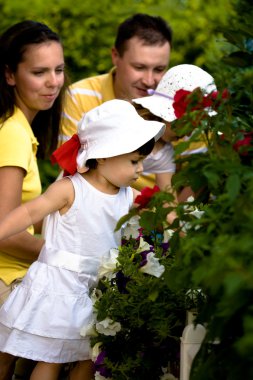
{"x":171,"y":216}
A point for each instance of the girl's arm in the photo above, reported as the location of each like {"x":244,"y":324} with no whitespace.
{"x":135,"y":193}
{"x":23,"y":245}
{"x":163,"y":180}
{"x":58,"y":196}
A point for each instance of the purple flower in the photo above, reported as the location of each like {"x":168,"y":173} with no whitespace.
{"x":165,"y":247}
{"x":100,"y":365}
{"x":144,"y":256}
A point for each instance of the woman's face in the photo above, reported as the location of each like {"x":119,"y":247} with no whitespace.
{"x":39,"y":77}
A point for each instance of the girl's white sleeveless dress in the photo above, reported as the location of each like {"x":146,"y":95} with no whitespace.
{"x":42,"y":318}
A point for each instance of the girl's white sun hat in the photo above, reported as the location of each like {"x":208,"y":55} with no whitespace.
{"x":112,"y":129}
{"x":186,"y":77}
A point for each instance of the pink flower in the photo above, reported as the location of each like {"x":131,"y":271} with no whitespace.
{"x":146,"y":194}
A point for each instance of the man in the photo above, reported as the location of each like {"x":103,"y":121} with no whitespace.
{"x":140,"y":57}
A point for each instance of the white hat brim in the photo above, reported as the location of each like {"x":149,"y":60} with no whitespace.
{"x":159,"y":106}
{"x":114,"y":128}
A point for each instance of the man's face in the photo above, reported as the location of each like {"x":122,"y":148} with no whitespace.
{"x":141,"y":67}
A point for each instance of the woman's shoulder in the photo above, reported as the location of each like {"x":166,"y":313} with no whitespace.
{"x":15,"y":145}
{"x":16,"y":126}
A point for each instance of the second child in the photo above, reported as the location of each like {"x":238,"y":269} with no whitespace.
{"x":42,"y":318}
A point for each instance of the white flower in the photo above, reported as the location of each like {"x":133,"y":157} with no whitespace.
{"x":95,"y":351}
{"x":95,"y":296}
{"x":194,"y":294}
{"x":167,"y":235}
{"x":197,"y":213}
{"x":191,"y":210}
{"x":143,"y":246}
{"x":88,"y":330}
{"x":108,"y":264}
{"x":153,"y":266}
{"x":168,"y":376}
{"x":100,"y":377}
{"x":108,"y":327}
{"x":131,"y":229}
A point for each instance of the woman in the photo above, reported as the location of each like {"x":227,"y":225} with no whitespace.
{"x":32,"y":85}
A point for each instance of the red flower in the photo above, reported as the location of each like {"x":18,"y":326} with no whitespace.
{"x":216,"y":98}
{"x":181,"y":103}
{"x":146,"y":194}
{"x":196,"y":101}
{"x":242,"y":146}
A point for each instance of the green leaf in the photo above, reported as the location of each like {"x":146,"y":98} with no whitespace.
{"x":153,"y":295}
{"x":233,"y":185}
{"x":240,"y":58}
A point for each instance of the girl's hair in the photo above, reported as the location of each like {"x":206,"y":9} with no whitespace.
{"x":13,"y":44}
{"x":144,"y":150}
{"x":147,"y":148}
{"x":146,"y":114}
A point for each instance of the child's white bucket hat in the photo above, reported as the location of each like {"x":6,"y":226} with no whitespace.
{"x":112,"y":129}
{"x":186,"y":77}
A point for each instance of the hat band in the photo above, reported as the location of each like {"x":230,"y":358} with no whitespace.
{"x":150,"y":91}
{"x":65,"y":156}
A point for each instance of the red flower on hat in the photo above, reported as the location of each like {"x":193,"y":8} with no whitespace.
{"x":197,"y":101}
{"x":146,"y":194}
{"x":181,"y":102}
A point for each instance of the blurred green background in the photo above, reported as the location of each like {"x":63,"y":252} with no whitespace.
{"x":88,"y":29}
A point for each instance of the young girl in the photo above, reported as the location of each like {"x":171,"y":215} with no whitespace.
{"x":32,"y":84}
{"x":161,"y":161}
{"x":42,"y":317}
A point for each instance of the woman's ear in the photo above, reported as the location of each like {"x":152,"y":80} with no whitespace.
{"x":9,"y":77}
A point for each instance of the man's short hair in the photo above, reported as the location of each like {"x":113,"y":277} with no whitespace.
{"x":152,"y":30}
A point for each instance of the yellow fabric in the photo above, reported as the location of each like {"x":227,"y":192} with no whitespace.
{"x":18,"y":147}
{"x":147,"y":180}
{"x":194,"y":147}
{"x":82,"y":96}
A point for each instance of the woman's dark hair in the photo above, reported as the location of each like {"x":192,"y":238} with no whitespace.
{"x":144,"y":150}
{"x":13,"y":44}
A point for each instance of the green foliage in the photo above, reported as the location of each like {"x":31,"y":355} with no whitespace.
{"x":88,"y":28}
{"x":217,"y":256}
{"x":150,"y":314}
{"x":48,"y":173}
